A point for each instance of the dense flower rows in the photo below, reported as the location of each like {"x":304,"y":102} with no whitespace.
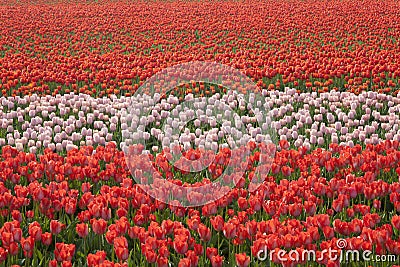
{"x":83,"y":208}
{"x":110,"y":47}
{"x":314,"y":166}
{"x":32,"y":123}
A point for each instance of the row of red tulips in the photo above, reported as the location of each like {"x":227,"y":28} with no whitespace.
{"x":311,"y":45}
{"x":85,"y":209}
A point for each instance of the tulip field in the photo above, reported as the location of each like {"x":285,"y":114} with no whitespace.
{"x":293,"y":159}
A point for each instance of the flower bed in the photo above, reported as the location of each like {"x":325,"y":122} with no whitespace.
{"x":94,"y":172}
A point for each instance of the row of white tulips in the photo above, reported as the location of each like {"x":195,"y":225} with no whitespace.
{"x":308,"y":119}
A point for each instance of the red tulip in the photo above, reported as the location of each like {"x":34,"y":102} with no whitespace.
{"x":82,"y":229}
{"x":193,"y":258}
{"x":204,"y":233}
{"x":210,"y":252}
{"x":396,"y":222}
{"x":162,"y":262}
{"x":150,"y":255}
{"x":47,"y":239}
{"x":229,"y":230}
{"x":16,"y":215}
{"x":110,"y":236}
{"x":53,"y":263}
{"x":122,"y":253}
{"x":163,"y":251}
{"x":242,"y":260}
{"x":217,"y":261}
{"x":66,"y":264}
{"x":7,"y":238}
{"x":242,"y":203}
{"x":56,"y":227}
{"x":184,"y":262}
{"x":13,"y":249}
{"x":28,"y":243}
{"x":181,"y":245}
{"x":96,"y":259}
{"x":64,"y":252}
{"x":198,"y":249}
{"x":217,"y":223}
{"x":35,"y":231}
{"x":99,"y":226}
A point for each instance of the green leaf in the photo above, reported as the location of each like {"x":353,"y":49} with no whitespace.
{"x":39,"y":255}
{"x":80,"y":254}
